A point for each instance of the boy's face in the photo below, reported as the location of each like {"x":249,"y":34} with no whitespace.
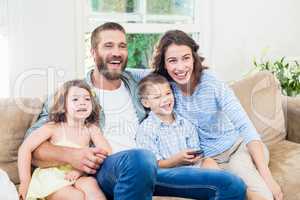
{"x":159,"y":99}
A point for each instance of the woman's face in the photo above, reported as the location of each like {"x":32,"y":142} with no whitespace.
{"x":179,"y":63}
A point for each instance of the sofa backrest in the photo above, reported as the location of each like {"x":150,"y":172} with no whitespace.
{"x":260,"y":96}
{"x":16,"y":117}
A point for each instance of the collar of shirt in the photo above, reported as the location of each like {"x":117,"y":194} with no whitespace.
{"x":178,"y":120}
{"x":131,"y":85}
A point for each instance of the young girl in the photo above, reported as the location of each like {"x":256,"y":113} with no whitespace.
{"x":72,"y":123}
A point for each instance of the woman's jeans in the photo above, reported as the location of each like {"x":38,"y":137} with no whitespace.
{"x":133,"y":175}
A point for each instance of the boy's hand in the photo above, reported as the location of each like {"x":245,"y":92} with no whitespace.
{"x":186,"y":157}
{"x":23,"y":188}
{"x":73,"y":175}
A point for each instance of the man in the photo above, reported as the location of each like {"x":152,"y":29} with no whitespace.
{"x":129,"y":173}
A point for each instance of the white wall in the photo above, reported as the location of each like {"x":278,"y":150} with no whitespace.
{"x":42,"y":42}
{"x":242,"y":29}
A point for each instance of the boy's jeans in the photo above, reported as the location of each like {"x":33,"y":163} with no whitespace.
{"x":132,"y":174}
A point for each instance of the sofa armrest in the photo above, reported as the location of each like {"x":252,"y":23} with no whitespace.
{"x":291,"y":106}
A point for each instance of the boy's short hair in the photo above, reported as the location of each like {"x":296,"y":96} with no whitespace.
{"x":150,"y":80}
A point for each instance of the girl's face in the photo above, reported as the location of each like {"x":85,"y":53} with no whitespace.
{"x":179,"y":63}
{"x":79,"y":104}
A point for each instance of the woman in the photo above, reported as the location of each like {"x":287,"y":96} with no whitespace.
{"x":225,"y":131}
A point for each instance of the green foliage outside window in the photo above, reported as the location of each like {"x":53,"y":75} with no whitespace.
{"x":140,"y":49}
{"x":113,"y":5}
{"x":177,"y":7}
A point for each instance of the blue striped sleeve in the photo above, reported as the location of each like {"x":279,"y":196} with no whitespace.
{"x":138,"y":74}
{"x":231,"y":107}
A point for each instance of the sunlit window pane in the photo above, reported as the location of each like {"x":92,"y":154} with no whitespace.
{"x":170,"y":7}
{"x":120,"y":6}
{"x":140,"y":49}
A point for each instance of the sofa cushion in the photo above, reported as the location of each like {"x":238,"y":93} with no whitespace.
{"x":16,"y":116}
{"x":284,"y":164}
{"x":260,"y":95}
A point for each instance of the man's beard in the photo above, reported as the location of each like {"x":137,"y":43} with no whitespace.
{"x":113,"y":74}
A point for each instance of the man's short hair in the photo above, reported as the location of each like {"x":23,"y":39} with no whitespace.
{"x":95,"y":39}
{"x":149,"y":81}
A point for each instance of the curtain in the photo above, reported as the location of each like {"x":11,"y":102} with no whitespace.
{"x":3,"y":18}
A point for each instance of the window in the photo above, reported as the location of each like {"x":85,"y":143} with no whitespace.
{"x":145,"y":21}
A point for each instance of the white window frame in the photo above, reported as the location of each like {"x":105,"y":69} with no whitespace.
{"x":88,"y":21}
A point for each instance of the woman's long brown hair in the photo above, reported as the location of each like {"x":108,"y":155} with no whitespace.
{"x":179,"y":38}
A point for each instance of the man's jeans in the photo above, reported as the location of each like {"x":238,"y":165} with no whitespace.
{"x":132,"y":174}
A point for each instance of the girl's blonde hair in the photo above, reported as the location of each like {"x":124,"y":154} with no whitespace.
{"x":58,"y":110}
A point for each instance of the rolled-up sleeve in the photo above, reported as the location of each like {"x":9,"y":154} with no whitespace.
{"x":231,"y":107}
{"x":42,"y":119}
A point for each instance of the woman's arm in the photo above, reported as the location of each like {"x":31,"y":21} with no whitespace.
{"x":256,"y":151}
{"x":138,"y":74}
{"x":232,"y":108}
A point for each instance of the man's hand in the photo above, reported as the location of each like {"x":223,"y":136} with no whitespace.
{"x":87,"y":160}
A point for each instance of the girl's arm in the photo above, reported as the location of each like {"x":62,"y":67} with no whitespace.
{"x":24,"y":155}
{"x":99,"y":140}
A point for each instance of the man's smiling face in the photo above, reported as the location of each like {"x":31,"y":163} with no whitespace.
{"x":111,"y":54}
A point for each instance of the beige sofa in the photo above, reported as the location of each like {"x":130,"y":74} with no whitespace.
{"x":276,"y":118}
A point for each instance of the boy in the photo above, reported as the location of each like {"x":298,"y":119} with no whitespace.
{"x":173,"y":139}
